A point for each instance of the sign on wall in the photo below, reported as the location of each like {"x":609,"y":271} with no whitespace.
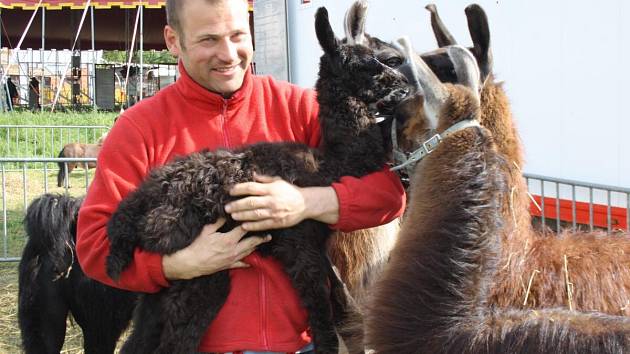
{"x":270,"y":35}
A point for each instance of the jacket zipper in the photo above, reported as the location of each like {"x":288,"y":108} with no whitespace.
{"x":255,"y":257}
{"x":263,"y":301}
{"x":226,"y":139}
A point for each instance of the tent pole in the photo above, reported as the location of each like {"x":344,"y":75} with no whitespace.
{"x":93,"y":76}
{"x":141,"y":50}
{"x":41,"y":57}
{"x":133,"y":43}
{"x":15,"y":50}
{"x":65,"y":71}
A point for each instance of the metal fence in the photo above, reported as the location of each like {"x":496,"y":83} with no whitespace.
{"x":562,"y":203}
{"x":22,"y":180}
{"x":45,"y":140}
{"x":558,"y":203}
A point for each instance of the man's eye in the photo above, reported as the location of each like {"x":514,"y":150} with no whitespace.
{"x":393,"y":62}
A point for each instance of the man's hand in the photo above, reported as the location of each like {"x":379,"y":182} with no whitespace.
{"x":211,"y":252}
{"x":273,"y":203}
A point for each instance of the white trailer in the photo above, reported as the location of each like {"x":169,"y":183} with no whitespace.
{"x":564,"y":63}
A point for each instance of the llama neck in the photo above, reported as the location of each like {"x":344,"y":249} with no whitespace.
{"x":448,"y":249}
{"x":463,"y":180}
{"x":350,"y":149}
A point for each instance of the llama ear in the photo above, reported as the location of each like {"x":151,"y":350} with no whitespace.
{"x":354,"y":22}
{"x":434,"y":92}
{"x":442,"y":35}
{"x":480,"y":34}
{"x":324,"y":32}
{"x":466,"y":68}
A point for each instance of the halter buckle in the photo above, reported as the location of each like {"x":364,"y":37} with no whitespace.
{"x":432,"y":143}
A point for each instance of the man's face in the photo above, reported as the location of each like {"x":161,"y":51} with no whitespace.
{"x":215,"y":45}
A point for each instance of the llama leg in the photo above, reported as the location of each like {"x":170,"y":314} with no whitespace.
{"x":188,"y":308}
{"x":346,"y":313}
{"x":122,"y":230}
{"x":147,"y":328}
{"x":305,"y":261}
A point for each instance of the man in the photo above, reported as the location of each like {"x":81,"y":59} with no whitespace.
{"x":12,"y":94}
{"x":33,"y":94}
{"x":217,"y":103}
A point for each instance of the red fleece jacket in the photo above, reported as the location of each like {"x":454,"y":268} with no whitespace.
{"x":262,"y":311}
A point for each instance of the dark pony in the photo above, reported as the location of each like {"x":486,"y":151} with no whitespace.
{"x":77,"y":150}
{"x":434,"y":297}
{"x":352,"y":88}
{"x":52,"y":284}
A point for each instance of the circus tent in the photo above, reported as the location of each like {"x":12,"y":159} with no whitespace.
{"x":113,"y":23}
{"x":80,"y":25}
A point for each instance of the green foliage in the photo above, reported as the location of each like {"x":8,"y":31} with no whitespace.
{"x":148,"y":57}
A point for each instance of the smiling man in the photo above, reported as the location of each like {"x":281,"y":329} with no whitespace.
{"x":218,"y":103}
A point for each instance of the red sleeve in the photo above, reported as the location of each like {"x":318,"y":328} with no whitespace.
{"x":369,"y":201}
{"x":372,"y":200}
{"x":122,"y":165}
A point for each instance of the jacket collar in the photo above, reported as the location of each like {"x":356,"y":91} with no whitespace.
{"x":199,"y":96}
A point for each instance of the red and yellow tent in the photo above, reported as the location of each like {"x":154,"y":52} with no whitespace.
{"x":113,"y":23}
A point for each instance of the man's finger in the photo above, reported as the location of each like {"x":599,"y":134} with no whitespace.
{"x":212,"y":228}
{"x":244,"y":204}
{"x":251,"y":215}
{"x":248,"y":188}
{"x":265,"y":178}
{"x":249,"y":245}
{"x":236,"y":233}
{"x":239,"y":264}
{"x":266,"y":224}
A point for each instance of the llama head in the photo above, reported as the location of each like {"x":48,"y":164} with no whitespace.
{"x":349,"y":70}
{"x":479,"y":30}
{"x":438,"y":60}
{"x":438,"y":106}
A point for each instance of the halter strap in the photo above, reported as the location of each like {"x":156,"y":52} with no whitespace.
{"x":427,"y":146}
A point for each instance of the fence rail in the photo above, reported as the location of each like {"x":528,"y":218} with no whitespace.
{"x":26,"y":179}
{"x":562,"y":202}
{"x":45,"y":140}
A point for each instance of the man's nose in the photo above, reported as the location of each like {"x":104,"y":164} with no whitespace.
{"x":227,"y":51}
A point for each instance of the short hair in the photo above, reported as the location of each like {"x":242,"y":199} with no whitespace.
{"x":174,"y":7}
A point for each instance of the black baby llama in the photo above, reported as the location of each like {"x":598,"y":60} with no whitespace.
{"x":434,"y":295}
{"x":51,"y":284}
{"x":170,"y":208}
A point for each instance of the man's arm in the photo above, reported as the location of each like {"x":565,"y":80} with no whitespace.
{"x":351,"y":204}
{"x":122,"y":166}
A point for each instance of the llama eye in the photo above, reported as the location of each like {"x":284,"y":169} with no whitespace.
{"x":393,"y":62}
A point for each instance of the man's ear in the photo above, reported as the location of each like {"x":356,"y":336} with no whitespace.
{"x":171,"y":38}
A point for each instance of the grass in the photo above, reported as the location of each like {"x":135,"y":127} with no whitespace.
{"x":47,"y":142}
{"x":20,"y":184}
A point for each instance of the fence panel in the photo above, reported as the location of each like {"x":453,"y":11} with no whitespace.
{"x":558,"y":203}
{"x":561,"y":203}
{"x":24,"y":179}
{"x":45,"y":140}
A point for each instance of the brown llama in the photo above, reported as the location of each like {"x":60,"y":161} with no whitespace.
{"x":434,"y":295}
{"x":582,"y":271}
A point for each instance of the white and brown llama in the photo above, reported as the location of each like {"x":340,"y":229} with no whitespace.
{"x":435,"y":294}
